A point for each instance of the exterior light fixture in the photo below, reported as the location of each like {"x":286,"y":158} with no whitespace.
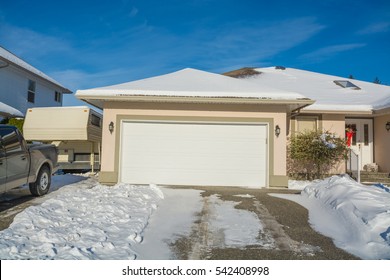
{"x":111,"y":127}
{"x":388,"y":126}
{"x":277,"y":130}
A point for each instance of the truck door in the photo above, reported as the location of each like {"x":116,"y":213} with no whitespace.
{"x":17,"y":158}
{"x":3,"y":168}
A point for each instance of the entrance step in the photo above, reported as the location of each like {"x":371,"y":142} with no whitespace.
{"x":375,"y":177}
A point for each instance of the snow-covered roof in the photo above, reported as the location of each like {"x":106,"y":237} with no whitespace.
{"x":190,"y":83}
{"x":6,"y":57}
{"x":8,"y":111}
{"x":331,"y":93}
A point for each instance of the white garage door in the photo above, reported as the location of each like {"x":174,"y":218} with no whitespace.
{"x":200,"y":154}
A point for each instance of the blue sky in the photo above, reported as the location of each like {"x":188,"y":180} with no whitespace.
{"x":86,"y":44}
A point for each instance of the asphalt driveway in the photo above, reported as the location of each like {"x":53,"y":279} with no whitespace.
{"x":284,"y":221}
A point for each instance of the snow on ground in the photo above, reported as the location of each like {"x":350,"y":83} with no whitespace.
{"x":174,"y":218}
{"x":86,"y":220}
{"x":81,"y":219}
{"x":238,"y":227}
{"x":298,"y":185}
{"x":355,"y":216}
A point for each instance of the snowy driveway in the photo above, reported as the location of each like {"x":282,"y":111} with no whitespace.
{"x":85,"y":220}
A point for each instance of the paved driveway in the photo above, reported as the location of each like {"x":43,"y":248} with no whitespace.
{"x":285,"y":225}
{"x":284,"y":222}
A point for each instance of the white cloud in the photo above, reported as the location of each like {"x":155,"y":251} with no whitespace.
{"x":76,"y":79}
{"x":146,"y":50}
{"x":254,"y":42}
{"x":329,"y":51}
{"x":133,"y":12}
{"x":31,"y":45}
{"x":379,"y":27}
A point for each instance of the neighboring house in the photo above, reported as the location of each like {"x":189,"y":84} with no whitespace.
{"x":23,"y":86}
{"x":339,"y":102}
{"x":192,"y":127}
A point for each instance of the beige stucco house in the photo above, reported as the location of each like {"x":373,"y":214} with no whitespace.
{"x":339,"y":102}
{"x":192,"y":127}
{"x":197,"y":128}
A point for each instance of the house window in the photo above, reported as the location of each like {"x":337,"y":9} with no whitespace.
{"x":346,"y":84}
{"x":306,"y":123}
{"x":58,"y":97}
{"x":31,"y":91}
{"x":366,"y":135}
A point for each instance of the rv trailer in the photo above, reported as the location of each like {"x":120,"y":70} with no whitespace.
{"x":75,"y":131}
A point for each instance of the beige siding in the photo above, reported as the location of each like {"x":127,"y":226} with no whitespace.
{"x":333,"y":123}
{"x":115,"y":110}
{"x":60,"y":123}
{"x":382,"y":143}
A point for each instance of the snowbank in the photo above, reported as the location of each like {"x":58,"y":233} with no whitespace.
{"x":83,"y":221}
{"x":356,"y":216}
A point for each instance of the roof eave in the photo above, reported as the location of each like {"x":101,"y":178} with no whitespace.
{"x":98,"y":100}
{"x":63,"y":89}
{"x":338,"y":112}
{"x":384,"y":111}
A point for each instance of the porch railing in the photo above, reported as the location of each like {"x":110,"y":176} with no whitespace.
{"x":353,"y":165}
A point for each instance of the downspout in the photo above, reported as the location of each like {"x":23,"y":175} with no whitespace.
{"x":294,"y":113}
{"x":297,"y":111}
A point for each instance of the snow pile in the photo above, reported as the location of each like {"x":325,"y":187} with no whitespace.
{"x":356,"y":216}
{"x":83,"y":221}
{"x":298,"y":185}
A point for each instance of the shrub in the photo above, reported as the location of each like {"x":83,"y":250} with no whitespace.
{"x":312,"y":154}
{"x":15,"y":122}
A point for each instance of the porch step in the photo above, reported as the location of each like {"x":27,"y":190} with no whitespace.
{"x":375,"y":177}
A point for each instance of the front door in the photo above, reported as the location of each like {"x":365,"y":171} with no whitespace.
{"x":362,"y":140}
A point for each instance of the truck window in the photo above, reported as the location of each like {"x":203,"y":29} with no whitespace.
{"x":10,"y":140}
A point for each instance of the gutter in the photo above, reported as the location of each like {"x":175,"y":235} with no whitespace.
{"x":297,"y":111}
{"x":196,"y":99}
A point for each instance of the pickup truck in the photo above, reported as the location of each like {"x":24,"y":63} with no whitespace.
{"x":22,"y":164}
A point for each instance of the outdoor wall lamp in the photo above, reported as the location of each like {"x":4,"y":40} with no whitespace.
{"x":111,"y":127}
{"x":277,"y":130}
{"x":388,"y":126}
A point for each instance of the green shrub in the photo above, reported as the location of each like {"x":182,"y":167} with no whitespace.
{"x":15,"y":122}
{"x":313,"y":154}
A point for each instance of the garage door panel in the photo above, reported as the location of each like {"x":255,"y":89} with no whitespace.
{"x":194,"y":154}
{"x":199,"y":177}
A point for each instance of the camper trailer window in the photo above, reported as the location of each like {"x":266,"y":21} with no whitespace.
{"x":95,"y":120}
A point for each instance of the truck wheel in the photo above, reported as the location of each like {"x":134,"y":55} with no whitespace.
{"x":42,"y":184}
